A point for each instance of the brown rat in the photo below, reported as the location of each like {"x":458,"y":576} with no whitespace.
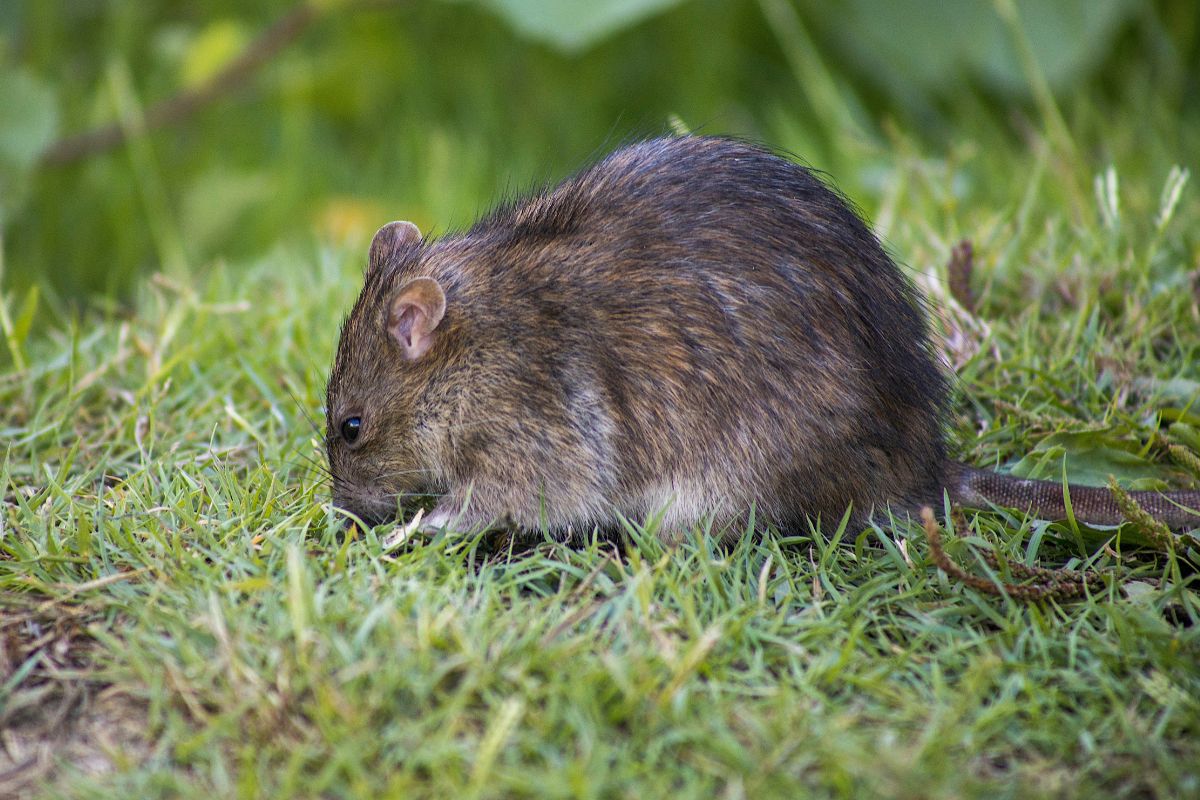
{"x":692,"y":326}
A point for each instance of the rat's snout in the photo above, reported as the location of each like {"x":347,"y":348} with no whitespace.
{"x":372,"y":507}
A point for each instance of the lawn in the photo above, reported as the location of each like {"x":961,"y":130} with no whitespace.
{"x":183,"y":615}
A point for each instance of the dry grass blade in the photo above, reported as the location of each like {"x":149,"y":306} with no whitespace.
{"x":1047,"y":583}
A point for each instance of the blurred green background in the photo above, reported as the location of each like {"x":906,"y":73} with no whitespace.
{"x":432,"y":110}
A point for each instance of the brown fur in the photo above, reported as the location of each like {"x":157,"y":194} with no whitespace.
{"x":692,"y":325}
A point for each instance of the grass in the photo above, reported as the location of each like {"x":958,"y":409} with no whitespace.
{"x":182,"y":616}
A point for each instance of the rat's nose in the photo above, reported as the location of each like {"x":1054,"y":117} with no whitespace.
{"x":372,"y":511}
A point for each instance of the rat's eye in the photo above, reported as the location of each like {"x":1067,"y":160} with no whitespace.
{"x":350,"y":428}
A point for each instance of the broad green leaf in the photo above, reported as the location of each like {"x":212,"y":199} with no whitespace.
{"x":1097,"y":536}
{"x":28,"y":123}
{"x":1184,"y":391}
{"x":1091,"y":456}
{"x":1186,"y":434}
{"x":211,"y":50}
{"x":28,"y":117}
{"x":916,"y":46}
{"x":574,"y":25}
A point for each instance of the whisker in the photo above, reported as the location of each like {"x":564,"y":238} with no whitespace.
{"x":322,"y":473}
{"x":400,"y":473}
{"x":309,"y":460}
{"x":287,"y":386}
{"x":313,"y":451}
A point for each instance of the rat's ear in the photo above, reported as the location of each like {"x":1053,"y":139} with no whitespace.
{"x":413,"y":315}
{"x":390,"y":239}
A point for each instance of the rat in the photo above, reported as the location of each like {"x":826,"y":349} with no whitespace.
{"x":692,"y":328}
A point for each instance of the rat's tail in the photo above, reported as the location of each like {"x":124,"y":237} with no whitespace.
{"x":978,"y":488}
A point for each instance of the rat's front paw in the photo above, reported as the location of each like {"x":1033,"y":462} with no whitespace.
{"x":454,"y":517}
{"x":444,"y":517}
{"x":439,"y":519}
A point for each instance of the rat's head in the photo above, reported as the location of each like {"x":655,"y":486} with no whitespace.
{"x":385,"y":360}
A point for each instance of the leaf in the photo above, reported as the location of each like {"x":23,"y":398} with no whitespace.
{"x":574,"y":25}
{"x":211,"y":50}
{"x":1092,"y":456}
{"x":28,"y":117}
{"x":1188,"y":434}
{"x":28,"y":123}
{"x":1183,"y":391}
{"x":1139,"y":591}
{"x":918,"y":46}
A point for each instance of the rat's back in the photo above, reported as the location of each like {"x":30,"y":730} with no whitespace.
{"x":722,"y":330}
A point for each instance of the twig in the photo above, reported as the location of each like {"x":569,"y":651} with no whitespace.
{"x":179,"y":107}
{"x":1059,"y":584}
